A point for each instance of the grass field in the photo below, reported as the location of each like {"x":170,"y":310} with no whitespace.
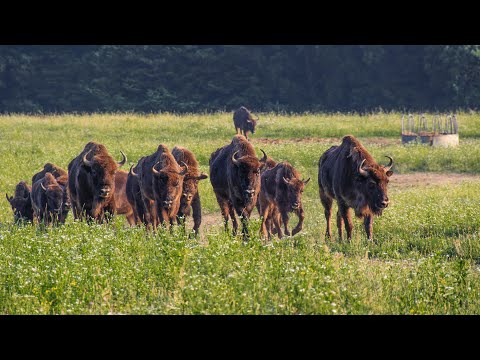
{"x":426,"y":259}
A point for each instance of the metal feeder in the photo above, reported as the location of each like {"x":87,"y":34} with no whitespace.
{"x":408,"y":130}
{"x":446,"y":132}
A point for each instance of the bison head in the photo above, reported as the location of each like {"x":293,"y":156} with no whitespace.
{"x":169,"y":184}
{"x":190,"y":189}
{"x":371,"y":187}
{"x":21,"y":204}
{"x":247,"y":172}
{"x":293,"y":194}
{"x":251,"y":124}
{"x":102,"y":174}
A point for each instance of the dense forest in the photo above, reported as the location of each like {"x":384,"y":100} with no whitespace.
{"x":199,"y":78}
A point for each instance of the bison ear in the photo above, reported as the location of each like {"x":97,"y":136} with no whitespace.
{"x":202,"y":176}
{"x":389,"y":173}
{"x":306,"y":181}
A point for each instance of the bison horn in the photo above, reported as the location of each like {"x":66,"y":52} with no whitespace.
{"x":286,"y":181}
{"x":155,"y":172}
{"x":131,"y":172}
{"x":361,"y":170}
{"x":86,"y":162}
{"x":185,"y":170}
{"x":124,"y":160}
{"x":389,"y":166}
{"x":264,"y":158}
{"x":43,"y":187}
{"x":306,"y":181}
{"x":235,"y":161}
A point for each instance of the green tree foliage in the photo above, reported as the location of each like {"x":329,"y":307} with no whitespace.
{"x":193,"y":78}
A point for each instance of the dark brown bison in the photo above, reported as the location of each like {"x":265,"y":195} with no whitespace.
{"x":53,"y":169}
{"x":122,"y":205}
{"x":21,"y":202}
{"x":235,"y":177}
{"x":48,"y":199}
{"x":244,"y":121}
{"x":134,"y":194}
{"x":281,"y":193}
{"x":350,"y":175}
{"x":190,"y":199}
{"x":62,"y":178}
{"x":91,"y":183}
{"x":161,"y":183}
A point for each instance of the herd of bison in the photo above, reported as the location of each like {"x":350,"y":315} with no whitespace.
{"x":162,"y":188}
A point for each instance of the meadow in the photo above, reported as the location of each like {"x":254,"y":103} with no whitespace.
{"x":425,"y":259}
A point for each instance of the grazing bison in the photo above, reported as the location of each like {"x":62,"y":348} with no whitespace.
{"x":244,"y":121}
{"x":161,"y":182}
{"x":122,"y":205}
{"x":91,"y":182}
{"x":21,"y":202}
{"x":53,"y":169}
{"x":134,"y":194}
{"x":349,"y":174}
{"x":281,"y":193}
{"x":48,"y":199}
{"x":190,"y":199}
{"x":235,"y":177}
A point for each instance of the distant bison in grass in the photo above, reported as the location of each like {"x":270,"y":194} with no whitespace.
{"x":21,"y":202}
{"x":244,"y":121}
{"x":49,"y":196}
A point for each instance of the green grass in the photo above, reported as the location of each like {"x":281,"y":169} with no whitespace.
{"x":426,"y":259}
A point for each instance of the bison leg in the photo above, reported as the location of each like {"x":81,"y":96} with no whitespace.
{"x":196,"y":213}
{"x":301,"y":218}
{"x":285,"y":220}
{"x":327,"y":204}
{"x":131,"y":219}
{"x":265,"y":229}
{"x":368,"y":222}
{"x":224,"y":208}
{"x":340,"y":225}
{"x":245,"y":216}
{"x":344,"y":211}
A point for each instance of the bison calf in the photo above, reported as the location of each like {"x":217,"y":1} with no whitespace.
{"x":21,"y":202}
{"x":48,"y":199}
{"x":281,"y":193}
{"x":190,"y":200}
{"x":350,"y":175}
{"x":122,"y":205}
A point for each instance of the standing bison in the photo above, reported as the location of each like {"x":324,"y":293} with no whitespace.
{"x":190,"y":199}
{"x":349,"y":174}
{"x":235,"y":177}
{"x":244,"y":121}
{"x":281,"y":193}
{"x":91,"y":182}
{"x":21,"y":202}
{"x":48,"y":199}
{"x":134,"y":194}
{"x":161,"y":183}
{"x":122,"y":205}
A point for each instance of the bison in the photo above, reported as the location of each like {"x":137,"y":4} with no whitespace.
{"x":62,"y":178}
{"x":350,"y":175}
{"x":244,"y":121}
{"x":91,"y":183}
{"x":134,"y":194}
{"x":235,"y":177}
{"x":281,"y":193}
{"x":21,"y":202}
{"x":161,"y":183}
{"x":190,"y":199}
{"x":48,"y":199}
{"x":122,"y":205}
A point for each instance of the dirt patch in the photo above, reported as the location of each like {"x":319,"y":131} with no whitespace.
{"x":329,"y":141}
{"x":425,"y":179}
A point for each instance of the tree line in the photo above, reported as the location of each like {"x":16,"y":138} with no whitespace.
{"x":208,"y":78}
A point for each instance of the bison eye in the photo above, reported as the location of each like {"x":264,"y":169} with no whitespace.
{"x":371,"y":185}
